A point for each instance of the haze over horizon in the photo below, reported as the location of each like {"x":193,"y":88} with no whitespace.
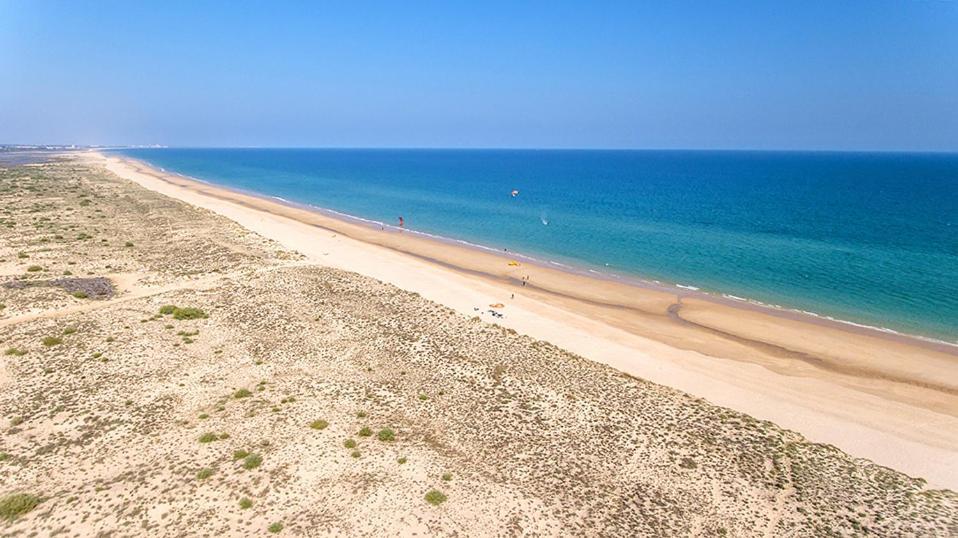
{"x":744,"y":75}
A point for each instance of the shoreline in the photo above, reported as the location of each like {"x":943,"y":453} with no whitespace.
{"x":884,"y":396}
{"x":647,"y":283}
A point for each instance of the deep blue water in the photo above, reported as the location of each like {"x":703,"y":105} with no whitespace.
{"x":870,"y":238}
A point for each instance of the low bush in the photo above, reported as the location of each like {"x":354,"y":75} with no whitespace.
{"x":252,"y":461}
{"x":15,"y":505}
{"x":189,"y":313}
{"x":435,"y":497}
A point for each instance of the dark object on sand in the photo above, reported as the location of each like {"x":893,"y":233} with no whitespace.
{"x":95,"y":288}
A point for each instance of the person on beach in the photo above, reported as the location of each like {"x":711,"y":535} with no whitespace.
{"x":402,"y":223}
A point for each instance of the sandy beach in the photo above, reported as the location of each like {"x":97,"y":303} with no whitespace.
{"x":187,"y":360}
{"x":891,"y":399}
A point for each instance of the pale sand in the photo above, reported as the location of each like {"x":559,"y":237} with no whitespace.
{"x":888,"y":399}
{"x":119,"y":418}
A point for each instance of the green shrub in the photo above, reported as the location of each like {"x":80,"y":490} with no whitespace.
{"x":239,"y":454}
{"x":34,"y":268}
{"x":355,"y":454}
{"x":252,"y":461}
{"x":242,"y":393}
{"x":204,"y":473}
{"x":15,"y":505}
{"x":128,"y":244}
{"x":15,"y":351}
{"x":402,"y":460}
{"x":188,"y":313}
{"x":447,"y":476}
{"x":208,"y":437}
{"x":245,"y":503}
{"x":52,"y":341}
{"x":69,"y":330}
{"x":386,"y":434}
{"x":318,"y":424}
{"x":361,"y":414}
{"x":349,"y":443}
{"x":365,"y":432}
{"x":4,"y":456}
{"x":275,"y":527}
{"x":80,"y":294}
{"x":435,"y":497}
{"x":168,"y":309}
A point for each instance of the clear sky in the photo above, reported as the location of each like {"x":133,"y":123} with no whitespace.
{"x":764,"y":74}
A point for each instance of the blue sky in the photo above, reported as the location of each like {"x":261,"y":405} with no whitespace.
{"x":760,"y":75}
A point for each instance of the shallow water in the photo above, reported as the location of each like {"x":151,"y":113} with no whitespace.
{"x":870,"y":238}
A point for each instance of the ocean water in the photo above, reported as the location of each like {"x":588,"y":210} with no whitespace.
{"x":870,"y":238}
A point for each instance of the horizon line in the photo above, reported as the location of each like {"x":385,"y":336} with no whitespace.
{"x":497,"y":148}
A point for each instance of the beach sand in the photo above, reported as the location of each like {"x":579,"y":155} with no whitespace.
{"x":891,"y":399}
{"x":590,"y":408}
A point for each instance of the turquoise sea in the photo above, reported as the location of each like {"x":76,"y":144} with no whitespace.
{"x":870,"y":238}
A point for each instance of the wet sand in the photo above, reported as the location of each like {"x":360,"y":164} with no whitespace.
{"x":889,"y":398}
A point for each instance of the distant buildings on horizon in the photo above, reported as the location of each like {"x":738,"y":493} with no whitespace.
{"x":61,"y":147}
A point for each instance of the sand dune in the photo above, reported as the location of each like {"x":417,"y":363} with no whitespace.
{"x":231,"y":384}
{"x":891,"y":399}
